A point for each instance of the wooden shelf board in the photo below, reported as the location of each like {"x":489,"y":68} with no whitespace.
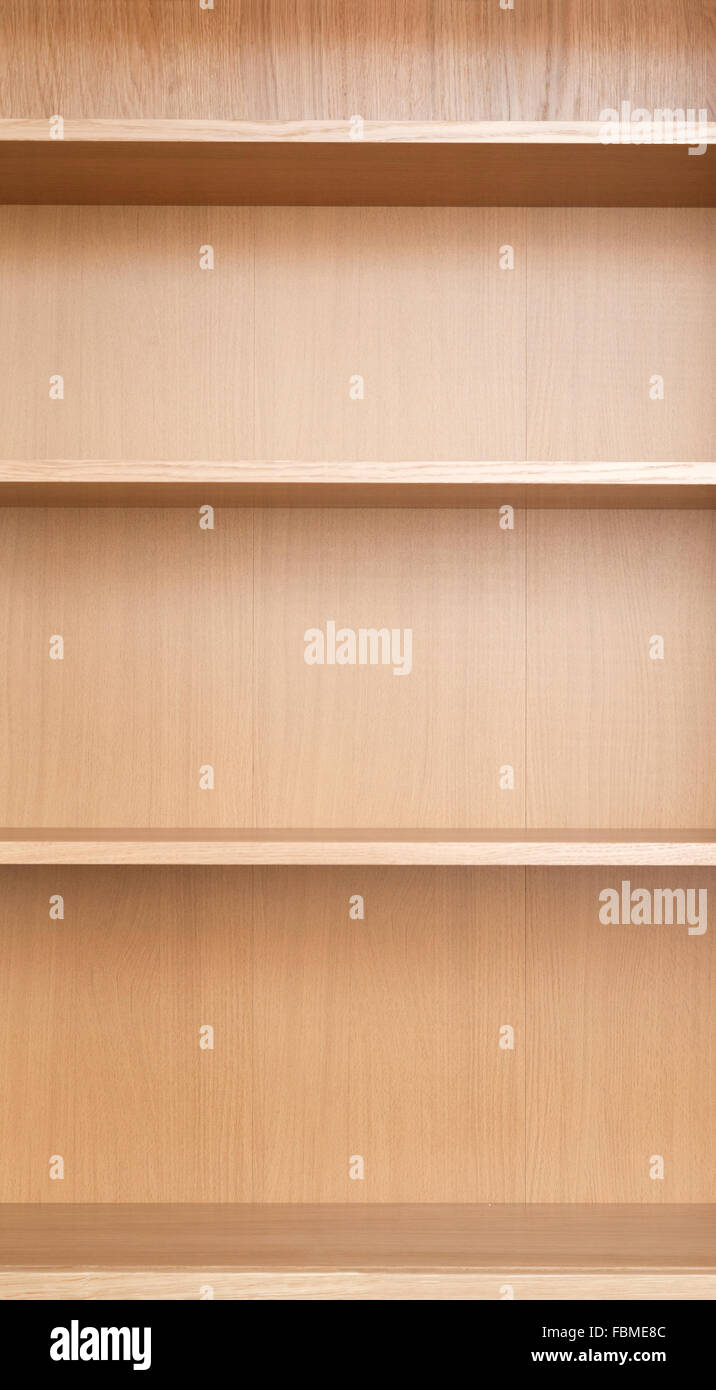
{"x":410,"y":163}
{"x":582,"y":134}
{"x":429,"y":1237}
{"x":396,"y":1286}
{"x":86,"y":482}
{"x":316,"y":847}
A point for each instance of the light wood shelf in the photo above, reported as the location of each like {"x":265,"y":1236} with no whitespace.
{"x":212,"y":1026}
{"x":437,"y":1237}
{"x":104,"y":483}
{"x":409,"y":163}
{"x":374,"y":847}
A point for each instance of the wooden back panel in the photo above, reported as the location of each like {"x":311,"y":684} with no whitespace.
{"x":260,"y":357}
{"x":620,"y":1042}
{"x":185,"y":649}
{"x":334,"y":1037}
{"x":317,"y":59}
{"x":339,"y":1037}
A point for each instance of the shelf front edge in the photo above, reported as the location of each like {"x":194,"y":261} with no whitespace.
{"x":420,"y":167}
{"x":359,"y":851}
{"x":451,"y":483}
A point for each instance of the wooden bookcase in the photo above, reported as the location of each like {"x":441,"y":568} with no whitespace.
{"x":452,"y":376}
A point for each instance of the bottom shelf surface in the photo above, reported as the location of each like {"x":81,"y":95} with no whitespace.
{"x":347,"y":1251}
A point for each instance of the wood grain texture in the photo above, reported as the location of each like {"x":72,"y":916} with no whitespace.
{"x":253,"y":360}
{"x":621,"y":1056}
{"x":396,"y":847}
{"x":156,"y":355}
{"x":708,"y":23}
{"x":105,"y":483}
{"x":376,"y":1037}
{"x":668,"y":128}
{"x":632,"y":293}
{"x":405,"y":299}
{"x":165,"y":671}
{"x":141,"y":1285}
{"x":379,"y":1038}
{"x":100,"y":1022}
{"x":302,"y":993}
{"x":156,"y":678}
{"x":317,"y":59}
{"x":436,"y":970}
{"x":478,"y":173}
{"x":302,"y":1238}
{"x":614,"y":737}
{"x":342,"y":746}
{"x":333,"y":1036}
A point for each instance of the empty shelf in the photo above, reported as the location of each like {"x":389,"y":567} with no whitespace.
{"x":78,"y":482}
{"x":377,"y":163}
{"x":359,"y":1236}
{"x":478,"y":847}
